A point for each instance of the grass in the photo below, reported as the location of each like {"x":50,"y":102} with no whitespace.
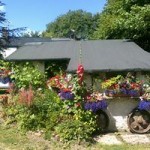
{"x":12,"y":139}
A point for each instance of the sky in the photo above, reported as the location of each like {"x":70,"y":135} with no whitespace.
{"x":36,"y":14}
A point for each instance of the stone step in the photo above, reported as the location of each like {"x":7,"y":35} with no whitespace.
{"x":119,"y":138}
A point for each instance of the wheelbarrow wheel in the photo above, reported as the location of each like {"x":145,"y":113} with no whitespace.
{"x":139,"y":121}
{"x":102,"y":120}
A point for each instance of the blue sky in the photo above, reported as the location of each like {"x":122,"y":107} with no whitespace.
{"x":35,"y":14}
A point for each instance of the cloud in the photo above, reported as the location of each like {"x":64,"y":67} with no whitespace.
{"x":2,"y":8}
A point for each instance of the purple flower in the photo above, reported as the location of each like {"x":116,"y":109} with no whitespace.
{"x":133,"y":93}
{"x":144,"y":105}
{"x":66,"y":95}
{"x":124,"y":91}
{"x":95,"y":106}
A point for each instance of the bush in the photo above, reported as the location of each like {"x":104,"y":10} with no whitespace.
{"x":26,"y":74}
{"x":44,"y":113}
{"x":80,"y":127}
{"x":74,"y":130}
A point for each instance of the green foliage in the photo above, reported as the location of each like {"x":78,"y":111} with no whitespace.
{"x":79,"y":89}
{"x":83,"y":23}
{"x":48,"y":108}
{"x":73,"y":130}
{"x":47,"y":112}
{"x":5,"y":65}
{"x":108,"y":83}
{"x":32,"y":34}
{"x":55,"y":67}
{"x":26,"y":74}
{"x":43,"y":110}
{"x":80,"y":127}
{"x":44,"y":113}
{"x":4,"y":38}
{"x":126,"y":19}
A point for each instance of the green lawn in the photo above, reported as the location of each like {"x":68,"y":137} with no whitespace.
{"x":11,"y":139}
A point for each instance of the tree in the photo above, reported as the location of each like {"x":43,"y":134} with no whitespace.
{"x":126,"y":19}
{"x":32,"y":34}
{"x":74,"y":24}
{"x":5,"y":32}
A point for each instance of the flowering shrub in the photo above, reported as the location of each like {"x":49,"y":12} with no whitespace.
{"x":80,"y":73}
{"x":26,"y":97}
{"x":33,"y":112}
{"x":62,"y":82}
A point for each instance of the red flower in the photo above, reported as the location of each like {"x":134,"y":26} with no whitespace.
{"x":78,"y":104}
{"x":80,"y":73}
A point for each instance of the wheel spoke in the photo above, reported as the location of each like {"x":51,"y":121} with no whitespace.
{"x":134,"y":125}
{"x":140,"y":127}
{"x":139,"y":122}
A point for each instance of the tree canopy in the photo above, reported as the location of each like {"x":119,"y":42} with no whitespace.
{"x":5,"y":32}
{"x":32,"y":34}
{"x":73,"y":24}
{"x":125,"y":19}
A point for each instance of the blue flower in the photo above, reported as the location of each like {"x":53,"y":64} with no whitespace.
{"x":66,"y":95}
{"x":133,"y":93}
{"x":144,"y":105}
{"x":95,"y":106}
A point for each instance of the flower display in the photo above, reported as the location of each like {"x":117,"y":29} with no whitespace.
{"x":95,"y":105}
{"x":62,"y":82}
{"x":95,"y":101}
{"x":63,"y":85}
{"x":123,"y":86}
{"x":66,"y":95}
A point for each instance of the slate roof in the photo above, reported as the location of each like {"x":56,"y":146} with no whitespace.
{"x":20,"y":41}
{"x":96,"y":55}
